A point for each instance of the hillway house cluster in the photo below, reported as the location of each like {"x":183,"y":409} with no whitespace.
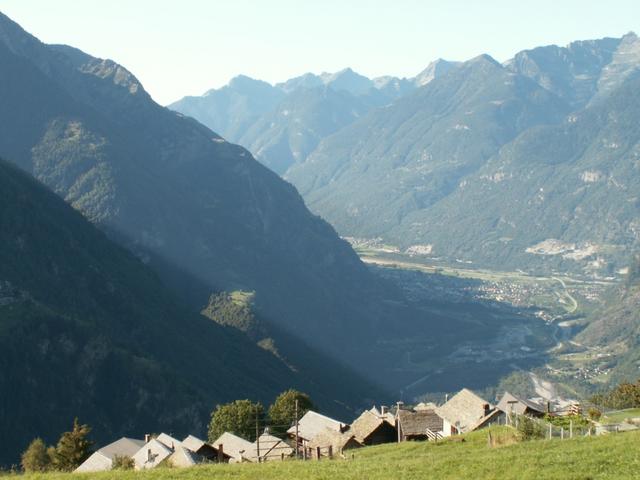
{"x":316,"y":436}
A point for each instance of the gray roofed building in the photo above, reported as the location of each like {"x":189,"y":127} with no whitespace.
{"x":373,"y":428}
{"x":205,"y":450}
{"x":168,"y":440}
{"x":464,"y":410}
{"x":312,"y":423}
{"x":102,"y":459}
{"x":183,"y":457}
{"x":271,"y":448}
{"x":414,"y":425}
{"x":152,"y":454}
{"x":338,"y":441}
{"x":236,"y":447}
{"x":511,"y":404}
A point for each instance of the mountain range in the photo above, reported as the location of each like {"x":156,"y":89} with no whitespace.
{"x":429,"y":169}
{"x":88,"y":330}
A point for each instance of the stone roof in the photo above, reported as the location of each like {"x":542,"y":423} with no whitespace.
{"x":183,"y":457}
{"x":366,"y":424}
{"x":236,"y":447}
{"x":520,"y":407}
{"x":169,"y":441}
{"x":312,"y":423}
{"x":124,"y":447}
{"x":464,"y":410}
{"x":272,"y":447}
{"x":417,"y":423}
{"x":193,"y":443}
{"x":337,"y":440}
{"x":151,"y":454}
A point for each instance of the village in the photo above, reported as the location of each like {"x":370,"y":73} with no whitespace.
{"x":317,"y":437}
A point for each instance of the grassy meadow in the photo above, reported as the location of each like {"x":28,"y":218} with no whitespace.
{"x":605,"y":457}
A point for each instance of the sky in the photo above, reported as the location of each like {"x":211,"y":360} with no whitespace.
{"x":186,"y":47}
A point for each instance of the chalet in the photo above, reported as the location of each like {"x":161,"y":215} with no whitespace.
{"x":512,"y":405}
{"x":373,"y":428}
{"x":424,"y":424}
{"x":238,"y":449}
{"x":102,"y":459}
{"x":271,"y":448}
{"x":311,"y":424}
{"x":465,"y":412}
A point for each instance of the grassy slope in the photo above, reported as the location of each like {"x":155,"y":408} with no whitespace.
{"x":613,"y":456}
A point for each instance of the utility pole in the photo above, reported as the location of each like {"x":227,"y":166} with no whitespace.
{"x":297,"y":447}
{"x":398,"y":425}
{"x":257,"y":437}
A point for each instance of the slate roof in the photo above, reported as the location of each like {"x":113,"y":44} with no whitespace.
{"x":193,"y":443}
{"x":168,"y":441}
{"x":338,"y":441}
{"x":519,"y":408}
{"x":151,"y":454}
{"x":232,"y":445}
{"x":312,"y":423}
{"x":463,"y":410}
{"x":416,"y":423}
{"x":102,"y":459}
{"x":368,"y":423}
{"x":183,"y":457}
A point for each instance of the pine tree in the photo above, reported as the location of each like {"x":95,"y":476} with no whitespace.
{"x":35,"y":458}
{"x":73,"y":448}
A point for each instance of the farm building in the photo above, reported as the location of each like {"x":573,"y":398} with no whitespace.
{"x":208,"y":452}
{"x":510,"y":404}
{"x":238,"y":449}
{"x":152,"y":454}
{"x":311,"y":424}
{"x":466,"y":411}
{"x":271,"y":448}
{"x":102,"y":459}
{"x":330,"y":442}
{"x":373,"y":428}
{"x":423,"y":424}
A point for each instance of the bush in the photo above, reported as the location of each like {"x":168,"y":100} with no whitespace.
{"x":36,"y":458}
{"x":123,"y":463}
{"x":529,"y":429}
{"x":594,"y":414}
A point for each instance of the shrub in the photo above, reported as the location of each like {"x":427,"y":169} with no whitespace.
{"x":123,"y":462}
{"x":36,"y":458}
{"x":529,"y":429}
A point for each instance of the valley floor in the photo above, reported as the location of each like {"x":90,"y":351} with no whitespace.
{"x":614,"y":456}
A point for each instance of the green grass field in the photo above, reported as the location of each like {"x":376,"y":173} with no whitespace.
{"x":615,"y":456}
{"x":621,"y":415}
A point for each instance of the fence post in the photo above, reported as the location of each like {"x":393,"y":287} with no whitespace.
{"x":331,"y":451}
{"x":562,"y":433}
{"x":550,"y":431}
{"x":570,"y":428}
{"x":318,"y":453}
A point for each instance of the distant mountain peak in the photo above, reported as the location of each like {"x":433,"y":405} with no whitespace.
{"x":435,"y":69}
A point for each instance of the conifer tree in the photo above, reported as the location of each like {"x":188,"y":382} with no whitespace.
{"x":36,"y":458}
{"x":73,"y":448}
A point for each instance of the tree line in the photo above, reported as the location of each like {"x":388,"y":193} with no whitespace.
{"x":240,"y":417}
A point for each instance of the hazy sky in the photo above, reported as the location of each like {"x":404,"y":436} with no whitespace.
{"x":185,"y":47}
